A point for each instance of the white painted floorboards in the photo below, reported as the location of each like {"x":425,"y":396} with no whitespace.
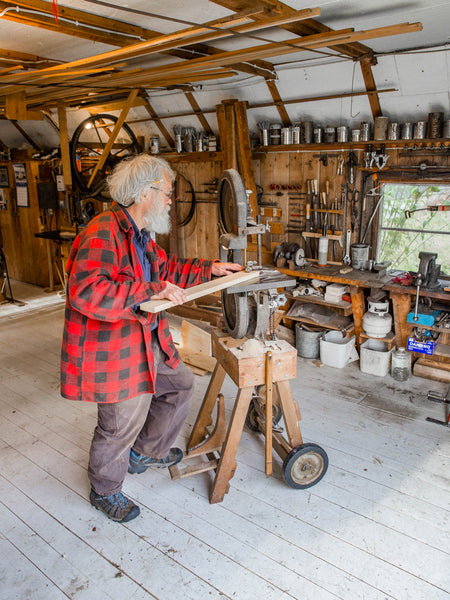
{"x":375,"y":528}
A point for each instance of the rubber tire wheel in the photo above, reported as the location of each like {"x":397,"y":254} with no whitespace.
{"x":305,"y":466}
{"x":251,"y":420}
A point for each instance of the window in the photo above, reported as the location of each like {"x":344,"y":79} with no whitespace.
{"x":401,"y":236}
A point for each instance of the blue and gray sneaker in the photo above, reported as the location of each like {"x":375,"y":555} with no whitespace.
{"x":138,"y":463}
{"x":115,"y":506}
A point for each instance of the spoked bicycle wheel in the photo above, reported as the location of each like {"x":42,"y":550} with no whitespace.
{"x":87,"y":146}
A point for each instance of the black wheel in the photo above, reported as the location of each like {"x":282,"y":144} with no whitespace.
{"x":88,"y":143}
{"x":232,"y":202}
{"x":251,"y":420}
{"x":305,"y":466}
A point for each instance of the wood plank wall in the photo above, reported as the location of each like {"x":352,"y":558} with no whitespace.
{"x":26,"y":256}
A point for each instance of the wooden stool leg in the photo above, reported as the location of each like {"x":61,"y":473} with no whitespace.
{"x":199,"y":432}
{"x":227,"y":464}
{"x":291,"y":413}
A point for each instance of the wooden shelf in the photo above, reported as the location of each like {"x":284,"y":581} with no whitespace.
{"x":342,"y":307}
{"x":437,"y":144}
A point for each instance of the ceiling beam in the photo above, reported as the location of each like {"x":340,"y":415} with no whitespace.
{"x":309,"y":27}
{"x":24,"y":134}
{"x":285,"y":119}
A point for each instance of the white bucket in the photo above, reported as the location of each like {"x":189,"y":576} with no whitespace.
{"x":336,"y":350}
{"x":375,"y":358}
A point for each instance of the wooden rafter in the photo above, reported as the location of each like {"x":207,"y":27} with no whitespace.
{"x":279,"y":103}
{"x":198,"y":113}
{"x":25,"y":134}
{"x":309,"y":27}
{"x":159,"y":124}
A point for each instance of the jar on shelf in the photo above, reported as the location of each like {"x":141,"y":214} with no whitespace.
{"x":401,"y":364}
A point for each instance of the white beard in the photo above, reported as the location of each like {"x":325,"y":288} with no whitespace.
{"x":157,"y":219}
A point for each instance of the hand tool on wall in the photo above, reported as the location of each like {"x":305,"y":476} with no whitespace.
{"x":436,"y":208}
{"x":340,"y":165}
{"x":350,"y":168}
{"x":308,"y":229}
{"x":315,"y":196}
{"x":348,"y":238}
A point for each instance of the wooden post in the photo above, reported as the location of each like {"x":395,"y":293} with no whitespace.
{"x":359,"y":306}
{"x":269,"y":410}
{"x":64,"y":141}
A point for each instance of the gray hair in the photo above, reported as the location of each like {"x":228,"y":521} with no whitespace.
{"x":135,"y":175}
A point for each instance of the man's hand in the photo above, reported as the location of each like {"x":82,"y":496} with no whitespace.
{"x":171,"y":292}
{"x":224,"y":268}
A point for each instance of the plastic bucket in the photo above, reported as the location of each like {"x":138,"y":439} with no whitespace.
{"x":375,"y":357}
{"x":307,"y":342}
{"x":359,"y":255}
{"x":336,"y":350}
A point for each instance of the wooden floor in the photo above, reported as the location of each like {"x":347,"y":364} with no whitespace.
{"x":376,"y":527}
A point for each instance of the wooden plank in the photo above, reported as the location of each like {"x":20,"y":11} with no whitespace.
{"x":278,"y":103}
{"x":197,"y":359}
{"x":64,"y":140}
{"x":423,"y":369}
{"x":195,"y":339}
{"x":197,"y":291}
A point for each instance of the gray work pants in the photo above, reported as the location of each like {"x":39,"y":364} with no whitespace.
{"x":148,"y":423}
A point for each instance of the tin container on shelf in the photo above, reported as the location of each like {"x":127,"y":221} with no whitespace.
{"x":446,"y":129}
{"x":435,"y":121}
{"x":393,"y":131}
{"x":306,"y":132}
{"x":380,"y":128}
{"x":330,"y":135}
{"x":296,"y":133}
{"x":275,"y":134}
{"x":407,"y":131}
{"x":342,"y":133}
{"x":420,"y":130}
{"x":286,"y":135}
{"x":356,"y":135}
{"x":365,"y":131}
{"x":318,"y":135}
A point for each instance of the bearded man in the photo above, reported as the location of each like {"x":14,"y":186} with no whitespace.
{"x":113,"y":353}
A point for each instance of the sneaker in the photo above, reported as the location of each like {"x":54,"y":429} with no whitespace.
{"x":116,"y":506}
{"x":138,"y":463}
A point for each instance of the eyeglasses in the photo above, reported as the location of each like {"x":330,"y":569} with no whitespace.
{"x":167,"y":194}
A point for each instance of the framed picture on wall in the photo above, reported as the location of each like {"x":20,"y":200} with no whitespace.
{"x":4,"y":177}
{"x":20,"y":174}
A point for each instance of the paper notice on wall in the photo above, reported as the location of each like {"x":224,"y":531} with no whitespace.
{"x":20,"y":175}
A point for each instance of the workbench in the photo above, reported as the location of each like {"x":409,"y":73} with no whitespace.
{"x":357,"y":280}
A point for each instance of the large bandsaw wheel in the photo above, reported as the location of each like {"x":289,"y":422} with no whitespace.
{"x":239,"y":310}
{"x":88,"y":143}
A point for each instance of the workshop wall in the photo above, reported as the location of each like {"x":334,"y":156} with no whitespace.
{"x":26,"y":256}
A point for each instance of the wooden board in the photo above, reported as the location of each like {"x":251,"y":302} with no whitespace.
{"x":197,"y":291}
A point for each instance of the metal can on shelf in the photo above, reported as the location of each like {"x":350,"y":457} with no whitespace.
{"x":365,"y":131}
{"x":318,"y":135}
{"x":446,"y":129}
{"x":420,"y":130}
{"x":275,"y":134}
{"x":435,"y":120}
{"x":286,"y":135}
{"x":380,"y":128}
{"x":330,"y":135}
{"x":306,"y":132}
{"x":342,"y":133}
{"x":296,"y":134}
{"x":356,"y":135}
{"x":154,"y":144}
{"x":393,"y":131}
{"x":407,"y":131}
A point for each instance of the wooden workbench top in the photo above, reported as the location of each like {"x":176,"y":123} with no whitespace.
{"x":355,"y":277}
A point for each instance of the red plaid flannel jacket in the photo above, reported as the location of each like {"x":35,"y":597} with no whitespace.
{"x":106,"y":351}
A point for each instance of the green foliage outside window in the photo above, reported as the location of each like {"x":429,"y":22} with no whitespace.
{"x":431,"y":230}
